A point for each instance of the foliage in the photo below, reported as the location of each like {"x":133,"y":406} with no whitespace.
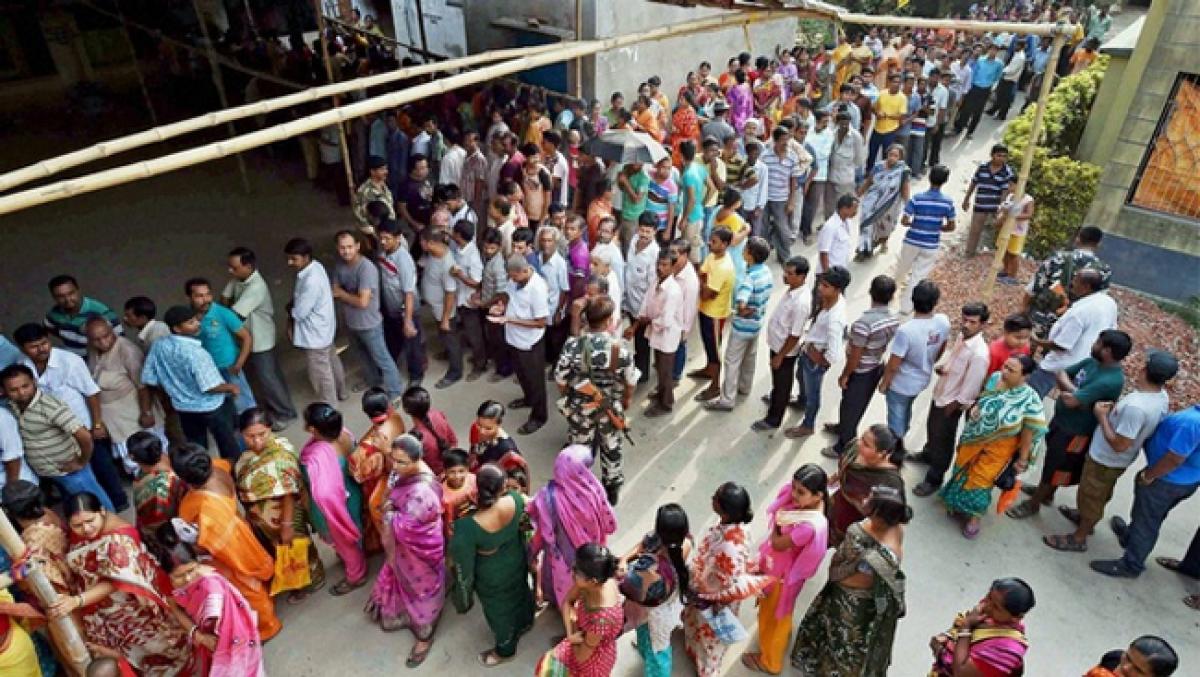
{"x":1188,"y":311}
{"x":1062,"y":187}
{"x":814,"y":33}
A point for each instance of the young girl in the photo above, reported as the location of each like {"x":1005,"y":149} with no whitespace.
{"x":336,"y":499}
{"x":489,"y":441}
{"x":655,"y":584}
{"x":795,"y":548}
{"x":459,"y":493}
{"x":222,"y":626}
{"x":594,"y":615}
{"x":436,"y":434}
{"x":728,"y":217}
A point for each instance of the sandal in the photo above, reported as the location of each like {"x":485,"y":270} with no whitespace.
{"x":1172,"y":564}
{"x":753,"y":662}
{"x":970,"y":530}
{"x":1192,"y":602}
{"x":490,"y":659}
{"x":1065,"y":543}
{"x":345,"y":587}
{"x":416,"y":658}
{"x":297,"y":596}
{"x":1022,"y":510}
{"x":1070,"y":513}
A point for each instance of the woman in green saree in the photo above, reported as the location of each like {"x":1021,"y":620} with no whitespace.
{"x":487,"y":558}
{"x":848,"y":630}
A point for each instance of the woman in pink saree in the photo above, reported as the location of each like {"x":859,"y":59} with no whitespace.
{"x":570,"y":511}
{"x":740,"y":100}
{"x":221,"y":623}
{"x":410,"y":589}
{"x":323,"y":460}
{"x":990,"y":637}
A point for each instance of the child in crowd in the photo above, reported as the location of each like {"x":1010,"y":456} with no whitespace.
{"x":459,"y":493}
{"x":1018,"y":328}
{"x":430,"y":426}
{"x":489,"y":441}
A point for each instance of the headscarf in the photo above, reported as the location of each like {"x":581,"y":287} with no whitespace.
{"x":578,"y":500}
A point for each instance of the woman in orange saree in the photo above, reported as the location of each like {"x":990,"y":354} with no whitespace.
{"x":369,"y":464}
{"x":684,"y":125}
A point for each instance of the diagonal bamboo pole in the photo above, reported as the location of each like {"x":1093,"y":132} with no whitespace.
{"x":1035,"y":131}
{"x":219,"y":81}
{"x":220,"y":149}
{"x":104,"y":149}
{"x":343,"y":145}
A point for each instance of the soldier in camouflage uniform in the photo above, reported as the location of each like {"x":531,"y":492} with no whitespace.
{"x":596,"y":377}
{"x":1049,"y":292}
{"x":374,"y":189}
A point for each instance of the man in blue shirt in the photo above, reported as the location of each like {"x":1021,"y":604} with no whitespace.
{"x":927,"y":216}
{"x":182,"y":369}
{"x":225,"y":337}
{"x":1171,"y":476}
{"x":985,"y":73}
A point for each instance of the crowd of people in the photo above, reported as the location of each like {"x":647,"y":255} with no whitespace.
{"x":492,"y":222}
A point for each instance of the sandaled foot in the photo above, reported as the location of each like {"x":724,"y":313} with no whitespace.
{"x":970,"y":530}
{"x":1023,"y":510}
{"x":419,"y":653}
{"x":1070,"y":513}
{"x":393,"y":624}
{"x":490,"y":659}
{"x":1065,"y":543}
{"x":753,"y":661}
{"x":297,"y":596}
{"x":796,"y":432}
{"x":345,"y":587}
{"x":1192,"y":602}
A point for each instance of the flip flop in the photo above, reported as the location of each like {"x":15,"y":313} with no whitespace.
{"x":490,"y":659}
{"x":1070,"y":513}
{"x":415,"y":658}
{"x":970,"y":531}
{"x":345,"y":587}
{"x":752,"y":661}
{"x":1065,"y":543}
{"x":1022,"y":510}
{"x":1192,"y":602}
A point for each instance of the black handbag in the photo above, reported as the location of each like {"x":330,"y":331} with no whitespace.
{"x":1007,"y":479}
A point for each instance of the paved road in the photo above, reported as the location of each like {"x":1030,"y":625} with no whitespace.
{"x":148,"y":237}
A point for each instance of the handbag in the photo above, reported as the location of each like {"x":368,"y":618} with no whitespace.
{"x":725,"y":624}
{"x":1007,"y":478}
{"x":291,"y":566}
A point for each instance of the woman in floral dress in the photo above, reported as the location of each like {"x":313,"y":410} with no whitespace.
{"x":594,"y":616}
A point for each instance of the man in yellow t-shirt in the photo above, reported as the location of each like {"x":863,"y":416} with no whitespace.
{"x":717,"y":275}
{"x":891,"y":109}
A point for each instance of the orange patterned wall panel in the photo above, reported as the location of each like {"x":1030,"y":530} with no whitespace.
{"x":1168,"y":181}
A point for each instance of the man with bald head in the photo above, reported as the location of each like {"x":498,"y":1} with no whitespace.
{"x":523,"y":308}
{"x":1071,"y":338}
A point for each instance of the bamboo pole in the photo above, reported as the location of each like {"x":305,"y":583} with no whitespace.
{"x":1035,"y":131}
{"x":344,"y":147}
{"x":1020,"y":28}
{"x":216,"y":150}
{"x":219,"y":81}
{"x":77,"y":653}
{"x":579,"y":61}
{"x":105,"y":149}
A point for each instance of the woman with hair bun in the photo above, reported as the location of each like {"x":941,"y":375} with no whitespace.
{"x":594,"y":615}
{"x":873,"y":460}
{"x":487,"y":559}
{"x":850,"y":626}
{"x":335,"y":499}
{"x":720,"y":577}
{"x":369,"y":464}
{"x":654,"y":585}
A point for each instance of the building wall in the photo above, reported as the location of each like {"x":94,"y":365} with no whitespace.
{"x":1145,"y":242}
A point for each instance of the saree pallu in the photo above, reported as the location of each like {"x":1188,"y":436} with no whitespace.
{"x":882,"y":204}
{"x":976,"y":467}
{"x":46,"y":544}
{"x":336,"y":499}
{"x":684,"y":126}
{"x":608,"y":623}
{"x":236,"y":552}
{"x":134,"y":620}
{"x":848,"y":632}
{"x":368,"y":467}
{"x":995,"y":652}
{"x":411,"y":585}
{"x":156,"y":499}
{"x":220,"y":610}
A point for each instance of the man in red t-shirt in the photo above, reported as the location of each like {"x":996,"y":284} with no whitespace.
{"x":1017,"y":330}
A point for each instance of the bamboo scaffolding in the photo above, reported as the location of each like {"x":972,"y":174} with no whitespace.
{"x":221,"y":149}
{"x":219,"y":83}
{"x":335,"y":101}
{"x":105,"y":149}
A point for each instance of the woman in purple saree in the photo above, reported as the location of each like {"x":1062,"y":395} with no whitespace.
{"x":411,"y":585}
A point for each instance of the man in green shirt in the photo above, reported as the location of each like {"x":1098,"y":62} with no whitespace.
{"x":1095,"y":379}
{"x":633,"y":183}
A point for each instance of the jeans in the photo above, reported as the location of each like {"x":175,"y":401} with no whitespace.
{"x":941,"y":431}
{"x":710,"y":215}
{"x":381,"y":368}
{"x":860,"y":388}
{"x":1190,"y":564}
{"x":878,"y":141}
{"x":219,"y":422}
{"x":814,"y":208}
{"x":83,"y":480}
{"x":915,"y":153}
{"x":755,"y":221}
{"x":1151,"y":504}
{"x":264,"y":368}
{"x":972,"y":109}
{"x":245,"y":396}
{"x":899,"y":412}
{"x":777,"y":229}
{"x":104,"y":469}
{"x":781,"y":389}
{"x":407,"y":351}
{"x":680,"y":359}
{"x":810,"y":376}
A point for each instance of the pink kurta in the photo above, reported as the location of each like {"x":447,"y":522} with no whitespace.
{"x":412,"y":582}
{"x":328,"y":490}
{"x":219,"y":609}
{"x":794,"y":566}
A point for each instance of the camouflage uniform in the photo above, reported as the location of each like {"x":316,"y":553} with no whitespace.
{"x":370,"y":192}
{"x":1052,"y":281}
{"x":586,"y":422}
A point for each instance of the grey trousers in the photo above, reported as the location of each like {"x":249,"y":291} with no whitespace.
{"x":325,"y":373}
{"x":777,"y":228}
{"x":270,"y":385}
{"x":741,"y":353}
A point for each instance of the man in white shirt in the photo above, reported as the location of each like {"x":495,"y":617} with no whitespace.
{"x":820,"y":140}
{"x":916,"y":348}
{"x":834,"y":241}
{"x":559,"y":168}
{"x":1006,"y":90}
{"x":610,"y":247}
{"x":689,"y":284}
{"x":451,"y":167}
{"x":139,"y":314}
{"x":1071,"y":338}
{"x":12,"y":451}
{"x":601,"y":265}
{"x":660,"y":319}
{"x":943,"y":80}
{"x":247,"y":295}
{"x":553,"y":269}
{"x":822,"y":346}
{"x":754,"y":196}
{"x":784,"y":330}
{"x":439,"y":290}
{"x":468,"y":273}
{"x":524,"y":311}
{"x":312,"y":322}
{"x":639,"y":277}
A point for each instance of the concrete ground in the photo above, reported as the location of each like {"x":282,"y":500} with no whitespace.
{"x":148,"y":237}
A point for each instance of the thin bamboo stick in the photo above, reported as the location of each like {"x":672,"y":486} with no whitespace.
{"x":77,"y":651}
{"x":343,"y":146}
{"x":104,"y":149}
{"x":220,"y":149}
{"x":1035,"y":131}
{"x":219,"y":82}
{"x":1020,"y":28}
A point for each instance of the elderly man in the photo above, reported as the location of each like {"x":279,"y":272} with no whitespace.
{"x":126,"y":404}
{"x":523,"y":309}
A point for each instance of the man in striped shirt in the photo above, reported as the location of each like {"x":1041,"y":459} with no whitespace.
{"x":71,"y":311}
{"x":750,"y":306}
{"x":992,"y":182}
{"x":783,"y":175}
{"x":927,"y":215}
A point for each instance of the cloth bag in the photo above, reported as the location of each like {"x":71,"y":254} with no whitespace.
{"x":291,"y":566}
